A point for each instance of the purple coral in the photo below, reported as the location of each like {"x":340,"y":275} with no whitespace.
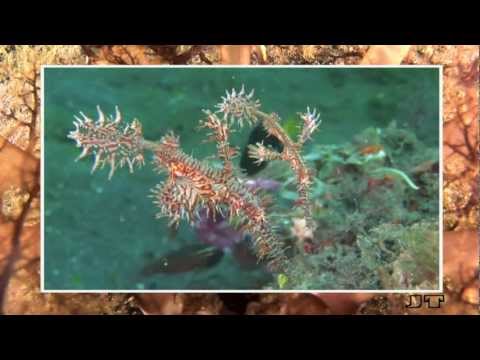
{"x":216,"y":231}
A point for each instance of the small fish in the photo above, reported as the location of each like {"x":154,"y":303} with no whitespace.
{"x":371,"y":149}
{"x":189,"y":258}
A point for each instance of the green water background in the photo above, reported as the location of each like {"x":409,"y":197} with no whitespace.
{"x":99,"y":233}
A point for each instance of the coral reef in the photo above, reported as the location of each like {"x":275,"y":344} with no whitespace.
{"x":357,"y":200}
{"x":148,"y":54}
{"x":20,"y":153}
{"x":408,"y":251}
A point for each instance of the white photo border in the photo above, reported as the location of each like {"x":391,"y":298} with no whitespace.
{"x":337,"y":291}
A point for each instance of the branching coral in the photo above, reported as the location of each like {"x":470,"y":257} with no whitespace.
{"x":461,"y":140}
{"x":19,"y":155}
{"x":19,"y":94}
{"x":145,"y":54}
{"x":460,"y":129}
{"x":192,"y":185}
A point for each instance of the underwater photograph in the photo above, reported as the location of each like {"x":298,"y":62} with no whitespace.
{"x":260,"y":178}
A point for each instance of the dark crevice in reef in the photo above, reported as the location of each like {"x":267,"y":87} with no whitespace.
{"x":236,"y":304}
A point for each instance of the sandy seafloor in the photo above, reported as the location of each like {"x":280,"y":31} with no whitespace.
{"x":99,"y":234}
